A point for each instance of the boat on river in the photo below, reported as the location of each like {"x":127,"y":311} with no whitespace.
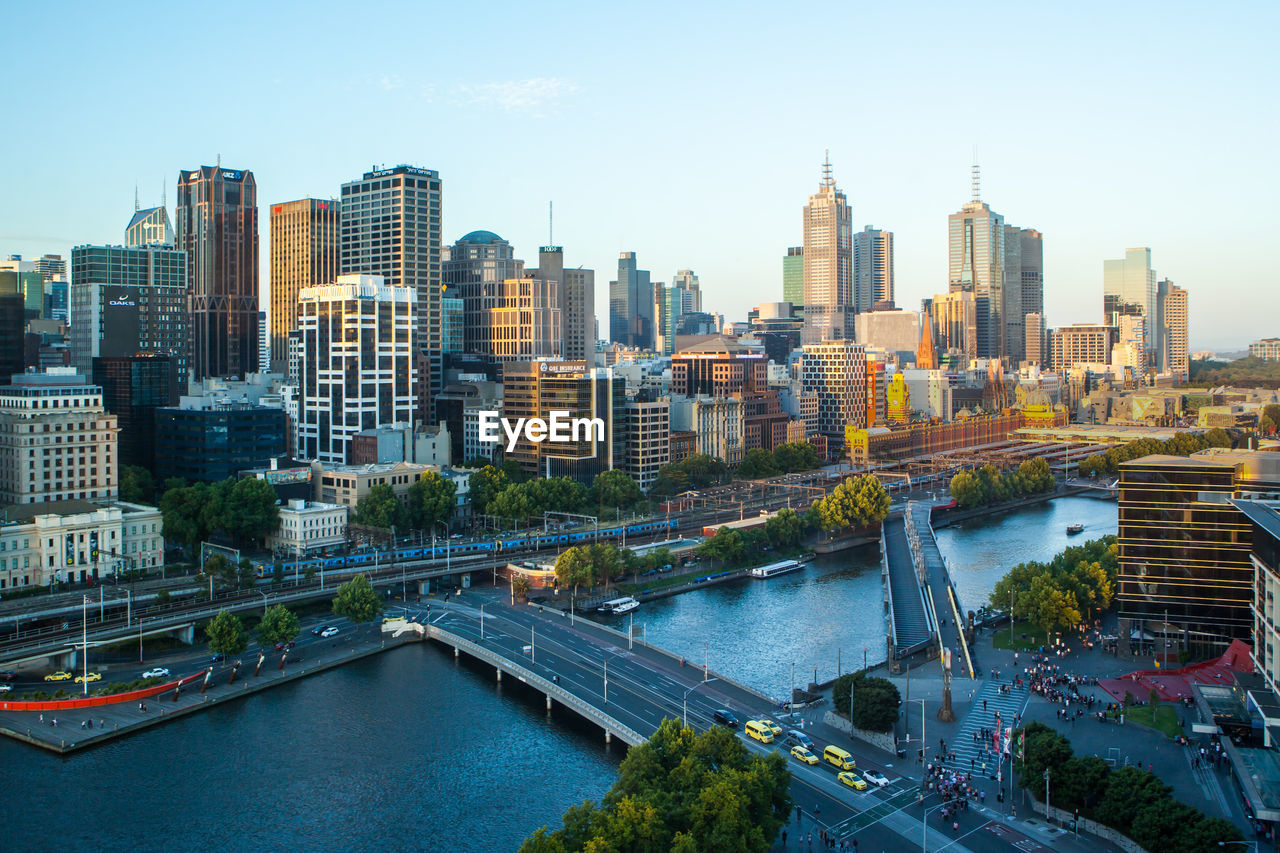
{"x":773,"y":569}
{"x":619,"y":605}
{"x":1073,"y":529}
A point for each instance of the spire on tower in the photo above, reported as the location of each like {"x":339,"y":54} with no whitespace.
{"x":135,"y":198}
{"x":551,"y":241}
{"x":976,"y":182}
{"x":827,"y":180}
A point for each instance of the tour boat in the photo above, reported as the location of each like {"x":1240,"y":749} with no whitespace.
{"x":776,"y":569}
{"x":1073,"y":529}
{"x":619,"y":605}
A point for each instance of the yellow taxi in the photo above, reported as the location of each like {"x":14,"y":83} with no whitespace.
{"x":92,"y":676}
{"x":853,"y":780}
{"x":773,"y":727}
{"x":58,"y":676}
{"x":799,"y":752}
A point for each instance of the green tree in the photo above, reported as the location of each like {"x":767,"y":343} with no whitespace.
{"x":137,"y":485}
{"x":869,"y":703}
{"x":1266,"y":425}
{"x":357,"y":601}
{"x":755,"y":465}
{"x":477,"y":462}
{"x":183,"y":510}
{"x":1272,"y":411}
{"x":520,"y":586}
{"x":1046,"y":749}
{"x":574,"y":568}
{"x":727,"y":546}
{"x":606,"y":562}
{"x":514,"y":472}
{"x":857,"y":502}
{"x":278,"y":625}
{"x":484,"y":486}
{"x":431,"y":501}
{"x":246,"y":575}
{"x":1093,"y":465}
{"x":615,"y":489}
{"x":516,"y":502}
{"x":784,"y":529}
{"x":795,"y":456}
{"x":381,"y":508}
{"x":226,"y":634}
{"x":1036,"y":476}
{"x":697,"y":471}
{"x":250,"y":509}
{"x":1218,"y":437}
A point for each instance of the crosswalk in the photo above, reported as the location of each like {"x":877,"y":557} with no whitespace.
{"x":878,"y":811}
{"x":978,"y":718}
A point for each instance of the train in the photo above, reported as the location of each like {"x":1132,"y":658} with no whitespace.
{"x":513,"y":542}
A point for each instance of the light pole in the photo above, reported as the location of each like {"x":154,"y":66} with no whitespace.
{"x":924,"y":745}
{"x":606,"y":680}
{"x":706,"y":660}
{"x":864,"y":659}
{"x":685,"y":702}
{"x":482,"y":606}
{"x":84,"y":649}
{"x":264,"y":601}
{"x":1046,"y":793}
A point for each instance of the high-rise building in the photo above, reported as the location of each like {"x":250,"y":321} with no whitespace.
{"x":872,"y":267}
{"x":1023,"y":286}
{"x":149,"y":227}
{"x":687,"y":281}
{"x":577,"y":301}
{"x":217,"y":226}
{"x":129,"y":300}
{"x":474,"y":269}
{"x":829,"y":303}
{"x":451,"y":325}
{"x":1267,"y":349}
{"x":793,"y":278}
{"x":29,"y":284}
{"x":1129,"y":289}
{"x":1036,"y":342}
{"x":648,"y":440}
{"x":631,"y":300}
{"x":13,"y":324}
{"x":976,"y":265}
{"x":1173,"y":353}
{"x":536,"y":389}
{"x":357,"y":367}
{"x":836,"y":372}
{"x":390,"y":226}
{"x":50,"y":267}
{"x":955,"y":322}
{"x":526,"y":323}
{"x":719,"y":369}
{"x":304,"y":253}
{"x":209,"y":438}
{"x":82,"y":466}
{"x":1081,"y":344}
{"x":133,"y":388}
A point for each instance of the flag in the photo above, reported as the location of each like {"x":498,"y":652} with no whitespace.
{"x":1022,"y":746}
{"x":1008,"y":736}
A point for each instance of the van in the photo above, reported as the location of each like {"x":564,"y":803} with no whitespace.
{"x":837,"y":756}
{"x":759,"y":731}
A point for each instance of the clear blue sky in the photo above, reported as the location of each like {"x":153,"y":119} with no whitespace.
{"x":689,"y":133}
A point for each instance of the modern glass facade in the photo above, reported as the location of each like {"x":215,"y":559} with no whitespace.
{"x":304,"y":253}
{"x":631,"y":304}
{"x":133,"y":387}
{"x":210,"y":445}
{"x":793,"y":279}
{"x":829,"y":301}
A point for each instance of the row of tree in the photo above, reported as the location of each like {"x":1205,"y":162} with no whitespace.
{"x":681,"y":792}
{"x":356,"y":600}
{"x":733,"y":547}
{"x":786,"y":458}
{"x":1129,"y":800}
{"x":588,"y":565}
{"x":988,"y":485}
{"x":857,"y":502}
{"x":697,"y":471}
{"x":493,"y":492}
{"x":1249,"y":372}
{"x":1181,"y":444}
{"x":245,"y":510}
{"x":868,"y":703}
{"x":430,"y":501}
{"x":1076,"y":584}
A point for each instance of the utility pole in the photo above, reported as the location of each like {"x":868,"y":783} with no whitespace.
{"x":1046,"y":793}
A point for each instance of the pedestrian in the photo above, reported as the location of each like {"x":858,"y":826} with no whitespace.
{"x":42,"y":720}
{"x":784,"y":837}
{"x":55,"y":722}
{"x":955,"y":827}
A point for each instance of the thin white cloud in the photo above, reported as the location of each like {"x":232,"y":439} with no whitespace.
{"x":388,"y":82}
{"x":528,"y":95}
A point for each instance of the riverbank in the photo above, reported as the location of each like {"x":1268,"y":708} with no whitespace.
{"x":67,"y":731}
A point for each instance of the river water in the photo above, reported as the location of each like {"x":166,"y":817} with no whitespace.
{"x":414,"y":750}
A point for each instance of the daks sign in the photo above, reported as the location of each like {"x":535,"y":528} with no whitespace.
{"x":560,"y":429}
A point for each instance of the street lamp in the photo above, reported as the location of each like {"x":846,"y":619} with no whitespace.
{"x":924,"y":745}
{"x":685,"y":702}
{"x":264,"y":601}
{"x":482,"y":607}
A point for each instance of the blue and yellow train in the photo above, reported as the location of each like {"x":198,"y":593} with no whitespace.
{"x":503,"y":544}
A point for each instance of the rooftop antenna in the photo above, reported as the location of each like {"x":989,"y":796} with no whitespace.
{"x":135,"y":198}
{"x":551,"y":240}
{"x":219,"y":161}
{"x":976,"y":179}
{"x":826,"y":168}
{"x":164,"y":188}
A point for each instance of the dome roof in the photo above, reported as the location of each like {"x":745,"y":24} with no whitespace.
{"x":481,"y":237}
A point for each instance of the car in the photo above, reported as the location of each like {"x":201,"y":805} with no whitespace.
{"x":158,"y":672}
{"x":218,"y":658}
{"x":8,"y":675}
{"x":87,"y":677}
{"x":5,"y":688}
{"x":795,"y":737}
{"x":61,"y":675}
{"x":875,"y":777}
{"x":329,"y":632}
{"x":725,"y":717}
{"x":398,"y":617}
{"x":773,"y":727}
{"x":804,"y":755}
{"x":319,"y":629}
{"x":853,"y":780}
{"x":284,"y":647}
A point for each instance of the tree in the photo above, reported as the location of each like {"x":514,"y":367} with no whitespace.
{"x":183,"y":510}
{"x":250,"y":509}
{"x":1266,"y":425}
{"x":137,"y":485}
{"x":515,"y":502}
{"x":615,"y":489}
{"x":484,"y":486}
{"x":784,"y":529}
{"x":870,"y":704}
{"x":357,"y":600}
{"x":795,"y":456}
{"x":756,"y":464}
{"x":857,"y":502}
{"x":573,"y":567}
{"x":1093,"y":465}
{"x":1036,"y":476}
{"x":1218,"y":437}
{"x":431,"y":501}
{"x":226,"y":634}
{"x":696,"y":471}
{"x":278,"y":625}
{"x":726,"y":546}
{"x":246,"y":575}
{"x":381,"y":508}
{"x":1272,"y":411}
{"x":520,"y":587}
{"x":1046,"y":749}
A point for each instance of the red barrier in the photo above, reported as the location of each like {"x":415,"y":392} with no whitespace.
{"x":96,"y":701}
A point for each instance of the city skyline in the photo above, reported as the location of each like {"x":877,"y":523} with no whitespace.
{"x":1114,"y":132}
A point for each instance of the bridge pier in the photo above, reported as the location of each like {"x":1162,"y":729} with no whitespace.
{"x":499,"y":670}
{"x":608,"y":737}
{"x":455,"y":652}
{"x":548,"y":701}
{"x":188,"y":634}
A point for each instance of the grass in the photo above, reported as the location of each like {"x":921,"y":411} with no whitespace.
{"x":1026,"y":638}
{"x":1161,"y":717}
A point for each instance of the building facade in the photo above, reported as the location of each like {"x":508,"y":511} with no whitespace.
{"x":526,"y":323}
{"x":1081,"y":343}
{"x":57,"y":440}
{"x":474,"y":269}
{"x":77,"y":541}
{"x":648,"y":440}
{"x":217,"y":227}
{"x":133,"y":388}
{"x":1267,"y":349}
{"x":208,"y":440}
{"x":357,"y":369}
{"x":1174,"y":355}
{"x":872,"y":267}
{"x":304,"y":253}
{"x":307,"y":526}
{"x":829,"y":301}
{"x":836,"y":373}
{"x":1129,"y":289}
{"x":793,"y":278}
{"x":631,"y":301}
{"x":577,"y":302}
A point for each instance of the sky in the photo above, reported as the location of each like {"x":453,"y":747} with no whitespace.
{"x":689,"y":133}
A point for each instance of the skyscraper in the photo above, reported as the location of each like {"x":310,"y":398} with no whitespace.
{"x":149,"y":227}
{"x":687,"y":281}
{"x":474,"y":269}
{"x":1023,"y":286}
{"x":976,"y":265}
{"x":828,"y":264}
{"x":526,"y":323}
{"x":1173,"y":315}
{"x":304,"y":253}
{"x":217,"y":226}
{"x":872,"y":267}
{"x":390,"y":226}
{"x":1129,"y":289}
{"x":357,"y":365}
{"x":793,"y":279}
{"x":577,"y":301}
{"x":631,"y":301}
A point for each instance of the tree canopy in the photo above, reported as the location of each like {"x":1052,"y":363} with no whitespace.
{"x":1181,"y":444}
{"x":279,"y":625}
{"x":988,"y":485}
{"x":784,"y":529}
{"x":1250,"y":372}
{"x":869,"y":703}
{"x":226,"y":634}
{"x":681,"y":791}
{"x":857,"y":502}
{"x":1077,"y":583}
{"x":357,"y":601}
{"x":431,"y":501}
{"x":244,"y":509}
{"x":484,"y":486}
{"x":756,"y":464}
{"x":697,"y":471}
{"x":615,"y":489}
{"x":137,"y":486}
{"x":381,"y":508}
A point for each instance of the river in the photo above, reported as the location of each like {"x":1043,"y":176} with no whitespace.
{"x":412,"y":749}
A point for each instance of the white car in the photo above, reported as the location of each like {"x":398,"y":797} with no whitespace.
{"x":5,"y":688}
{"x":158,"y":672}
{"x":329,"y":632}
{"x":875,"y":778}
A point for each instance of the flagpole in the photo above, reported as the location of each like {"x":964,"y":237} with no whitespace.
{"x":84,"y":649}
